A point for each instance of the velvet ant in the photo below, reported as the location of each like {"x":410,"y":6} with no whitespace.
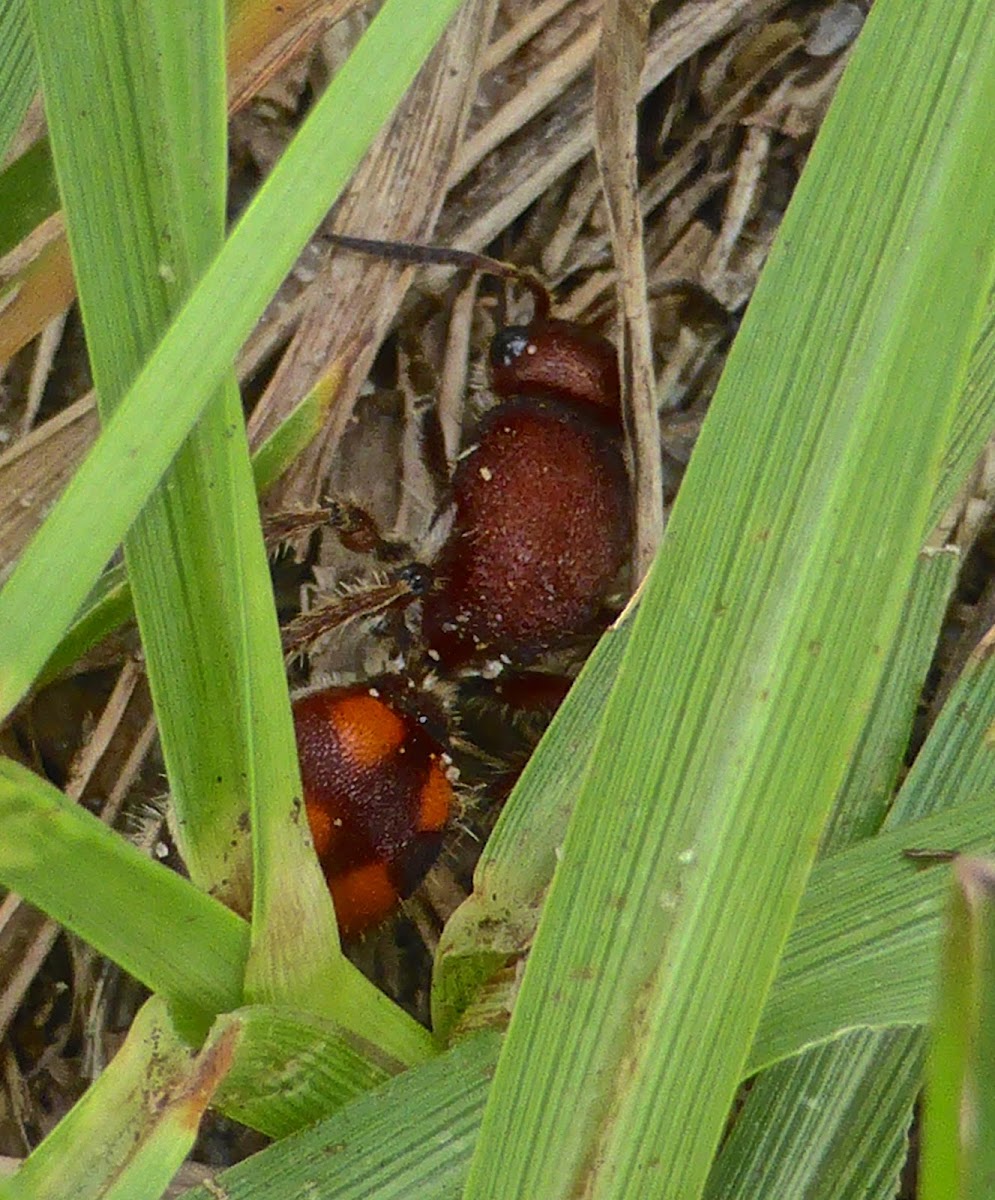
{"x":537,"y":532}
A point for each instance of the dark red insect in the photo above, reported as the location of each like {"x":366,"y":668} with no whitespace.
{"x":540,"y":532}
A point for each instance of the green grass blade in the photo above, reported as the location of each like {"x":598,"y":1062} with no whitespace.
{"x":293,"y":1069}
{"x":840,"y":1113}
{"x":972,"y":425}
{"x":758,"y":642}
{"x":176,"y":940}
{"x":126,"y":1139}
{"x":167,"y":397}
{"x":889,"y":975}
{"x":863,"y":947}
{"x":958,"y":1160}
{"x":977,"y":879}
{"x":18,"y":78}
{"x":411,"y":1138}
{"x":28,"y":194}
{"x":862,"y":951}
{"x":944,"y":1160}
{"x":850,"y":1139}
{"x":872,"y":777}
{"x":141,"y":230}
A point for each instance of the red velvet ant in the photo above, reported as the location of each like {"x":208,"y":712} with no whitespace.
{"x":540,"y":531}
{"x":378,"y":789}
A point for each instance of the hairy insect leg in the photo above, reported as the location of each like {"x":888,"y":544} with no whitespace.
{"x":389,"y":594}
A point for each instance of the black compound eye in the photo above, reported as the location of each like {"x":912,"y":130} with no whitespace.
{"x":418,"y":577}
{"x":508,"y":344}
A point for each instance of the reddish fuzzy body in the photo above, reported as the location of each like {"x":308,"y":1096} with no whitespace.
{"x":542,"y":521}
{"x":541,"y":530}
{"x":378,"y":797}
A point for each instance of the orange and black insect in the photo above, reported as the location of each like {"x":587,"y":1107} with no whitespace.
{"x":378,"y":788}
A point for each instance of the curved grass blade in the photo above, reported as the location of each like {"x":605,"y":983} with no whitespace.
{"x":152,"y":922}
{"x":412,"y":1137}
{"x":293,"y":1069}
